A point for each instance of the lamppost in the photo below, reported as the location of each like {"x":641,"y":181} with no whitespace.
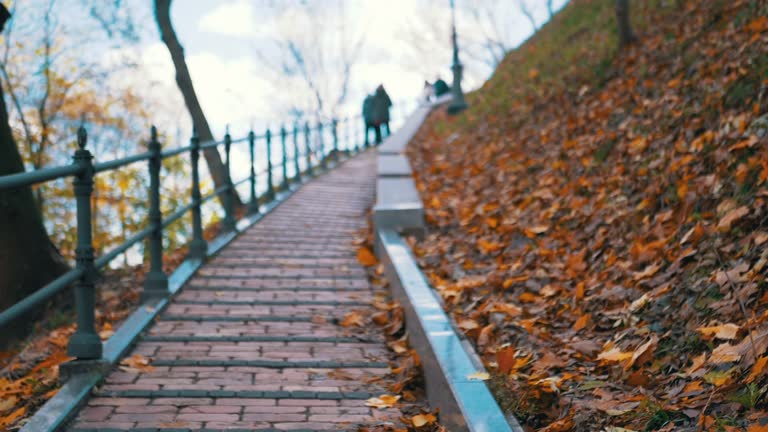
{"x":457,"y":103}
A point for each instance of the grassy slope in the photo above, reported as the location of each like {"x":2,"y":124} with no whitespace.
{"x":600,"y":200}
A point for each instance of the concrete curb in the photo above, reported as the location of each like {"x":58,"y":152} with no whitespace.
{"x":448,"y":360}
{"x":60,"y":409}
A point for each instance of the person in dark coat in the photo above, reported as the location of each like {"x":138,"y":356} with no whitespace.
{"x":380,"y":111}
{"x":440,"y":87}
{"x":368,"y":116}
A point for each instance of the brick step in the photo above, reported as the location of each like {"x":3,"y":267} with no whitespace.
{"x":220,"y":295}
{"x":301,"y":261}
{"x":251,"y":311}
{"x":239,"y":380}
{"x":108,"y":414}
{"x":287,"y":327}
{"x":276,"y":271}
{"x":299,"y":289}
{"x":286,"y":352}
{"x":286,"y":254}
{"x":235,"y":275}
{"x":276,"y":283}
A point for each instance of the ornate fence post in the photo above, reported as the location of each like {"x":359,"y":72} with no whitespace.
{"x":335,"y":136}
{"x":284,"y":161}
{"x":156,"y":282}
{"x":198,"y":247}
{"x":85,"y":343}
{"x":296,"y":165}
{"x":321,"y":144}
{"x":253,"y":206}
{"x":308,"y":145}
{"x":228,"y":223}
{"x":270,"y":186}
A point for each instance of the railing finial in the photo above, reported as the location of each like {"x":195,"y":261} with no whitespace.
{"x":82,"y":137}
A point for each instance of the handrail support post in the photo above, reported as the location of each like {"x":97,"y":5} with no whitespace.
{"x":270,"y":195}
{"x":284,"y":161}
{"x":253,"y":205}
{"x":85,"y":343}
{"x":228,"y":223}
{"x":198,"y":247}
{"x":156,"y":282}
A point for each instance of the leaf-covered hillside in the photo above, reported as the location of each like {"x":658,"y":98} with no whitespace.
{"x":598,"y":219}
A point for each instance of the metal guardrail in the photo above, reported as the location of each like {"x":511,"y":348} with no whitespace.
{"x":85,"y":343}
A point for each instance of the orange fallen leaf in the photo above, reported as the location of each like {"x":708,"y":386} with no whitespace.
{"x":758,"y":368}
{"x":366,"y":257}
{"x":581,"y":322}
{"x":352,"y":319}
{"x":12,"y":417}
{"x":505,"y":358}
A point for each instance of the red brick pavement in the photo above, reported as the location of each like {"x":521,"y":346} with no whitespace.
{"x":290,"y":276}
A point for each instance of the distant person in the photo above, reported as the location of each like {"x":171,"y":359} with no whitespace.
{"x":380,"y":111}
{"x":368,"y":116}
{"x":428,"y":93}
{"x":440,"y":87}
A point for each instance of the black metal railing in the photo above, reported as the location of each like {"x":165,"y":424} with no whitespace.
{"x":85,"y":342}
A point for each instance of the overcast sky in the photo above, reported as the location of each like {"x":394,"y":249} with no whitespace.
{"x":220,"y":39}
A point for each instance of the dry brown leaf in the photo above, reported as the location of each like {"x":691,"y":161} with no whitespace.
{"x":731,"y":217}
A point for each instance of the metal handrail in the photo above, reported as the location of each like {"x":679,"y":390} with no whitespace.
{"x":119,"y":163}
{"x":14,"y":181}
{"x":85,"y":343}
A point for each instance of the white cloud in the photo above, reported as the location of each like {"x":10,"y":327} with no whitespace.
{"x":233,"y":18}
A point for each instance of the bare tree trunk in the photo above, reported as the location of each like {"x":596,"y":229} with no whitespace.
{"x":626,"y":36}
{"x":550,"y":9}
{"x":28,"y":260}
{"x":184,"y":82}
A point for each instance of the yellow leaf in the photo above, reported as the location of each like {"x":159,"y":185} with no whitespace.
{"x":422,"y":419}
{"x":8,"y":403}
{"x":366,"y":257}
{"x":137,"y":361}
{"x":726,"y":331}
{"x":479,"y":376}
{"x":383,"y":401}
{"x":614,"y":355}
